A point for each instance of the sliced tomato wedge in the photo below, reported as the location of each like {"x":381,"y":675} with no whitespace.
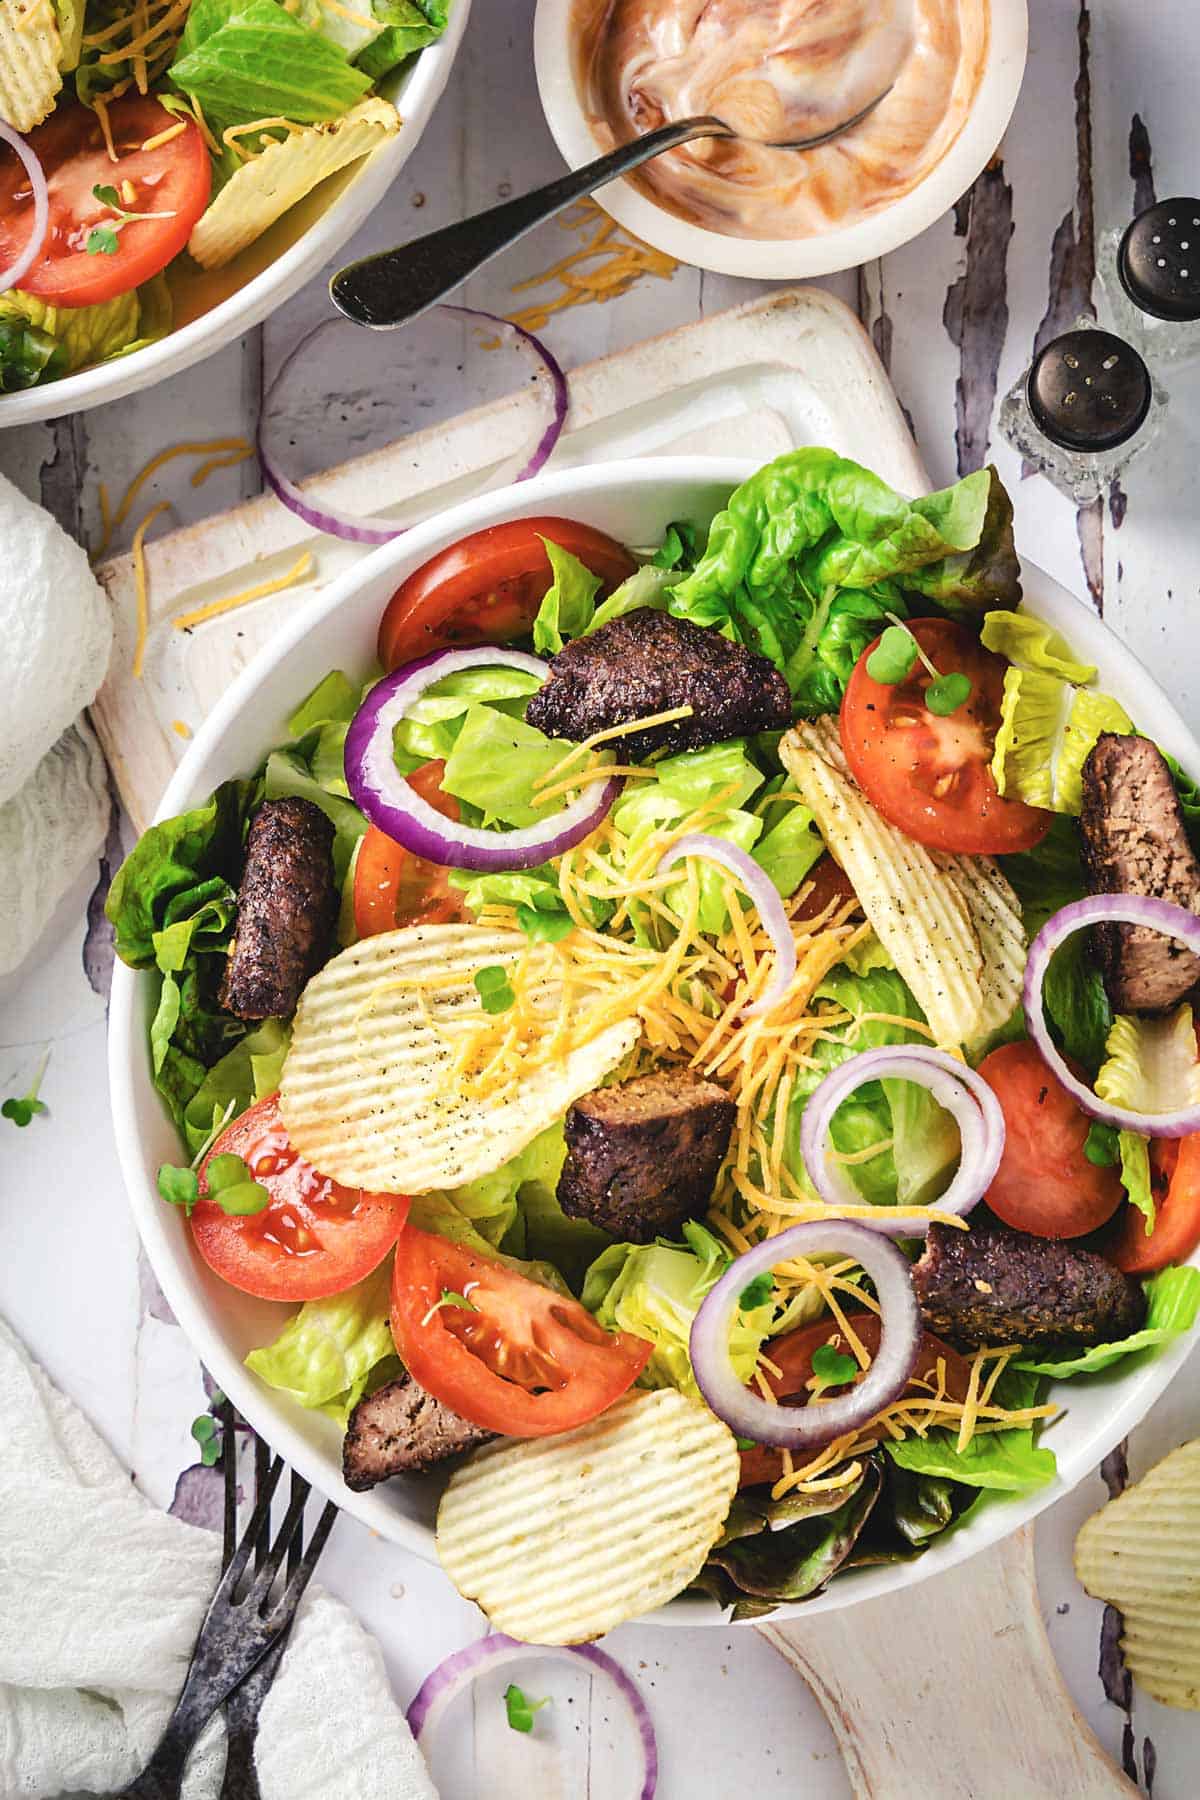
{"x":1175,"y":1184}
{"x":316,"y":1237}
{"x":487,"y":588}
{"x":519,"y":1358}
{"x":173,"y":182}
{"x":830,"y":883}
{"x":793,"y":1355}
{"x":930,"y":775}
{"x":392,"y":887}
{"x":1045,"y":1183}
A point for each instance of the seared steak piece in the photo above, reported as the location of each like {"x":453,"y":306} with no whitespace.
{"x":1135,"y":842}
{"x":648,"y":662}
{"x":287,"y":909}
{"x":402,"y":1429}
{"x":643,"y":1156}
{"x":990,"y":1285}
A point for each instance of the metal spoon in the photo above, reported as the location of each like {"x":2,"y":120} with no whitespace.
{"x":394,"y":286}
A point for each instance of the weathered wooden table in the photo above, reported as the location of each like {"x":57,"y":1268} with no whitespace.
{"x":1106,"y":119}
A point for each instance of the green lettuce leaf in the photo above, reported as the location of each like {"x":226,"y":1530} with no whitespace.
{"x":408,"y":25}
{"x":289,"y":774}
{"x":655,"y":1290}
{"x":430,"y":728}
{"x":242,"y":60}
{"x":1047,"y":731}
{"x":813,"y":551}
{"x":1075,"y":1001}
{"x":760,"y":1556}
{"x":535,"y":893}
{"x":1173,"y":1305}
{"x":1030,"y":644}
{"x":39,"y":341}
{"x":1006,"y":1460}
{"x":69,"y":14}
{"x":496,"y":762}
{"x":327,"y":1353}
{"x":248,"y":1072}
{"x":1189,"y":799}
{"x":27,"y":355}
{"x":646,"y":587}
{"x":792,"y":845}
{"x":170,"y":868}
{"x":569,"y":603}
{"x":1150,"y":1066}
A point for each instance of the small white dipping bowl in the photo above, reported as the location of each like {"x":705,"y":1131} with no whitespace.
{"x":219,"y":307}
{"x":788,"y":259}
{"x":634,"y":501}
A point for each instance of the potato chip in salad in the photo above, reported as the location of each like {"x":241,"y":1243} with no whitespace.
{"x":640,"y":1010}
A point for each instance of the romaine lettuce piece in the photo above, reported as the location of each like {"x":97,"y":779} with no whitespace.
{"x":569,"y":603}
{"x":1076,"y":1004}
{"x":243,"y":60}
{"x":1047,"y":731}
{"x":327,"y":1353}
{"x":408,"y":25}
{"x":1151,"y":1066}
{"x":248,"y":1072}
{"x":654,"y":1291}
{"x":1173,"y":1306}
{"x":1030,"y":644}
{"x":496,"y":763}
{"x":646,"y":587}
{"x":77,"y":335}
{"x":69,"y":14}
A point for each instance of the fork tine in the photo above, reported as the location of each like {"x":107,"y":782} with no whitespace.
{"x":292,"y":1528}
{"x":297,"y":1582}
{"x":229,"y":1459}
{"x":296,"y":1545}
{"x":262,"y":1463}
{"x":249,"y":1538}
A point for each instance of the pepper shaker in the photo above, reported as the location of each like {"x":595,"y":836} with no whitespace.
{"x":1083,"y":410}
{"x":1150,"y":280}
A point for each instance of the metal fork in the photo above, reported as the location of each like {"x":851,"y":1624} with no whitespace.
{"x":242,"y":1628}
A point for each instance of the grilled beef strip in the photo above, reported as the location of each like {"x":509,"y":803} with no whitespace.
{"x":647,"y":662}
{"x":286,"y":912}
{"x":991,"y":1285}
{"x":1135,"y":842}
{"x":642,"y":1156}
{"x":402,"y":1429}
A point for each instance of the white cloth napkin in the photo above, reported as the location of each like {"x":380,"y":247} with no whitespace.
{"x":101,"y":1596}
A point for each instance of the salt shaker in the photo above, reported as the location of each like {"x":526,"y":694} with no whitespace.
{"x":1150,"y":281}
{"x":1083,"y":411}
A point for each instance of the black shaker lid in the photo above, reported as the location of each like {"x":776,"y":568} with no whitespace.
{"x":1159,"y":260}
{"x":1089,"y":391}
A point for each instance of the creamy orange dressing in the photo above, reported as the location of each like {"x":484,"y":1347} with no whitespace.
{"x":779,"y":70}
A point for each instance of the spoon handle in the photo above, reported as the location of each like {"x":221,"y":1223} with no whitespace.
{"x":394,"y":286}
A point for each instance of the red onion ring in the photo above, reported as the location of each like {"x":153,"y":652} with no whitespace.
{"x":357,"y":530}
{"x":809,"y":1427}
{"x":391,"y":803}
{"x":960,"y":1090}
{"x":41,"y":207}
{"x":450,"y":1677}
{"x":1106,"y":909}
{"x":769,"y":907}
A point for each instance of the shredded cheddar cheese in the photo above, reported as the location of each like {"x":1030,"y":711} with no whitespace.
{"x":221,"y":453}
{"x":143,"y":592}
{"x":299,"y":571}
{"x":605,"y":265}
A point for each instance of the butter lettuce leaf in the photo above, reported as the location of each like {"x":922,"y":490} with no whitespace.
{"x":1150,"y":1066}
{"x":813,"y":551}
{"x":1076,"y":1004}
{"x":1173,"y":1305}
{"x":248,"y":1072}
{"x":569,"y":603}
{"x":495,"y":764}
{"x":329,"y":1351}
{"x":39,"y":342}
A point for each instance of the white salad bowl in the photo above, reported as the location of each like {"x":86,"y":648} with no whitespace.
{"x":787,"y":259}
{"x":634,"y":501}
{"x":224,"y":305}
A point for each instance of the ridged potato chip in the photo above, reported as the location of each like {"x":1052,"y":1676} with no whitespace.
{"x":919,"y":914}
{"x":996,"y":915}
{"x":1141,"y":1553}
{"x":560,"y":1539}
{"x":264,"y":188}
{"x":369,"y":1091}
{"x":30,"y":58}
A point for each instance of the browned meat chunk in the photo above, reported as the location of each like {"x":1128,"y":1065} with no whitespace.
{"x":287,"y":909}
{"x":402,"y":1429}
{"x":643,"y":1156}
{"x":990,"y":1285}
{"x":1135,"y":842}
{"x":646,"y":663}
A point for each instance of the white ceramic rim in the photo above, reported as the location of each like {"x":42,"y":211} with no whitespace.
{"x":777,"y":259}
{"x":231,"y":318}
{"x":1134,"y":1391}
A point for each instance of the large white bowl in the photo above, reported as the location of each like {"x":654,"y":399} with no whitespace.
{"x":634,"y":501}
{"x":223,"y":306}
{"x":788,"y":259}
